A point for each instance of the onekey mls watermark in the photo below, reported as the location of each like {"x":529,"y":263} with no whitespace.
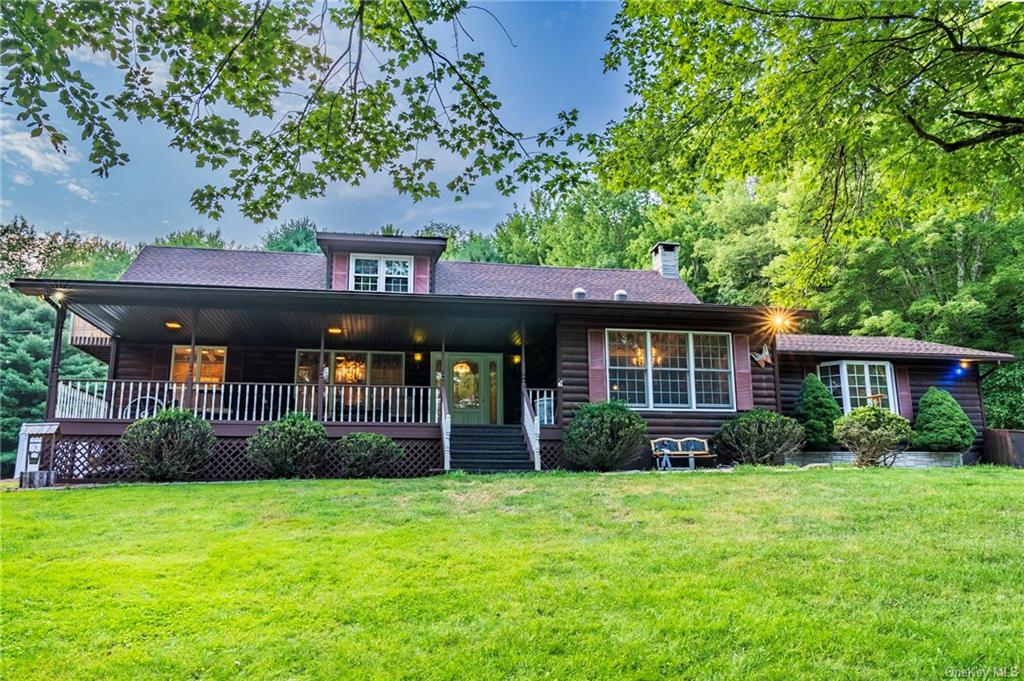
{"x":1008,"y":672}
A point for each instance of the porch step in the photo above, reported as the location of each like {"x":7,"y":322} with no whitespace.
{"x":489,"y":449}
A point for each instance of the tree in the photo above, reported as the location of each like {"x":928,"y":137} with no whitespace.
{"x":918,"y":104}
{"x":195,"y":237}
{"x":294,"y":236}
{"x":463,"y":244}
{"x":279,"y":95}
{"x":817,"y":410}
{"x":941,"y":424}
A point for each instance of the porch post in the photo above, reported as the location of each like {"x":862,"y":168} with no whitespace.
{"x":522,"y":352}
{"x":52,"y":378}
{"x":112,"y":362}
{"x":320,"y":378}
{"x":190,"y":376}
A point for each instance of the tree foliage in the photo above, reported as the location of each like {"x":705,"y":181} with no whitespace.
{"x":281,"y":96}
{"x":886,"y":105}
{"x":194,"y":237}
{"x":294,"y":236}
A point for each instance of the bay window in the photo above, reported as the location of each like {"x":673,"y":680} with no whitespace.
{"x":382,"y":273}
{"x":857,"y":383}
{"x":670,"y":370}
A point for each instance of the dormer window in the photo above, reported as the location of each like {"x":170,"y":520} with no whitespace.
{"x":381,"y":273}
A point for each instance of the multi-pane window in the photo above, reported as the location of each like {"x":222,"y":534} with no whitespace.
{"x":712,"y":370}
{"x":209,"y":365}
{"x":627,"y":367}
{"x":857,"y":383}
{"x":670,"y":376}
{"x":351,"y":368}
{"x":391,"y":274}
{"x":670,"y":369}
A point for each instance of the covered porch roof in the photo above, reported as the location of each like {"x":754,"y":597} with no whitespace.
{"x":224,"y":314}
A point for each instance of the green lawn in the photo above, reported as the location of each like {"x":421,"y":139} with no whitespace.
{"x":766,"y":574}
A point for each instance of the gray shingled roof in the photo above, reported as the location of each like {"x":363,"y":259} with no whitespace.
{"x":877,"y":346}
{"x":258,"y":269}
{"x":212,"y":267}
{"x":557,"y":283}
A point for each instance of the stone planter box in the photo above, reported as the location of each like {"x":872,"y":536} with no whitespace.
{"x":907,"y":459}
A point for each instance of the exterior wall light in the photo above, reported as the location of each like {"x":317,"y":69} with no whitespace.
{"x":517,"y":359}
{"x":417,"y":357}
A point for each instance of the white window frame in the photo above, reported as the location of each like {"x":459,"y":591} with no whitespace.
{"x":329,"y":362}
{"x":381,"y":270}
{"x":691,"y":370}
{"x":844,"y":381}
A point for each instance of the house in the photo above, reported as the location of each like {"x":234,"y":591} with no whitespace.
{"x":474,"y":366}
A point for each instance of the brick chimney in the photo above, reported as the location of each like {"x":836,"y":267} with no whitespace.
{"x":665,"y":259}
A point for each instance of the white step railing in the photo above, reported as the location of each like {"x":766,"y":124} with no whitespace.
{"x":543,"y":401}
{"x":531,"y":427}
{"x":93,"y":399}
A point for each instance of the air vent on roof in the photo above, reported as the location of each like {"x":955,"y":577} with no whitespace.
{"x":621,"y":295}
{"x":579,"y":293}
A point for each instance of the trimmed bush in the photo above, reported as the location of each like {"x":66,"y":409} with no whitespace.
{"x":367,"y":455}
{"x":874,"y":435}
{"x":941,"y":424}
{"x":171,"y":445}
{"x":759,"y":436}
{"x":817,"y":410}
{"x":604,"y":435}
{"x":293,"y":446}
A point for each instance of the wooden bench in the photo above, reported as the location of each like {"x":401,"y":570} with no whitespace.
{"x":665,"y":449}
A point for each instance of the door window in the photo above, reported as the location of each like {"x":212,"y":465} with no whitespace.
{"x":466,"y":385}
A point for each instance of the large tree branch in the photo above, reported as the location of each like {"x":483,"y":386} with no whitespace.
{"x":1002,"y":132}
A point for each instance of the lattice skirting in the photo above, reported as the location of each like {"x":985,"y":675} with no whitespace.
{"x":551,"y":456}
{"x":98,"y":458}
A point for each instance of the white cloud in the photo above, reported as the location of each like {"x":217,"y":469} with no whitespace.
{"x":21,"y":149}
{"x":18,"y":177}
{"x":85,"y":55}
{"x":78,"y":190}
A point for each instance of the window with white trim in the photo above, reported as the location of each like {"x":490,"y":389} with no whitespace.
{"x":670,"y":370}
{"x":856,"y":383}
{"x":382,"y":273}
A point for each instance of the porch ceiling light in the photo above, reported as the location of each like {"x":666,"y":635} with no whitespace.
{"x":57,"y":296}
{"x":334,"y":330}
{"x":172,"y":325}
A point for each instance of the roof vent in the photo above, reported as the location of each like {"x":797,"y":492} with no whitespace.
{"x":621,"y":295}
{"x":579,"y":293}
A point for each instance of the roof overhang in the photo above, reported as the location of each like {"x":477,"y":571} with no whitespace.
{"x":139,"y":311}
{"x":385,"y":245}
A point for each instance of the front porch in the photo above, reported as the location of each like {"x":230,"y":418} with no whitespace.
{"x":412,"y":376}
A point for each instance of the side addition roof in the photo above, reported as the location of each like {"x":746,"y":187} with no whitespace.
{"x":877,"y":346}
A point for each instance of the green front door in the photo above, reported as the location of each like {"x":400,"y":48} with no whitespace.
{"x":473,"y":382}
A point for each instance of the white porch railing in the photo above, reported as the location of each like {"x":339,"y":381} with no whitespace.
{"x":446,"y":427}
{"x":543,"y":401}
{"x":243,"y":402}
{"x":379,"y":404}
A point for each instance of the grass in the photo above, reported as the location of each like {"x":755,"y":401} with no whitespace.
{"x":755,"y":574}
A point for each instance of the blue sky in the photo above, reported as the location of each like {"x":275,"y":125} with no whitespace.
{"x":555,"y":65}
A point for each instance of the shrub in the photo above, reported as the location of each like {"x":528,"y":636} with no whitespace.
{"x":171,"y":445}
{"x":1003,"y":391}
{"x":875,"y":435}
{"x":604,"y":435}
{"x":759,"y":437}
{"x":941,"y":424}
{"x":817,"y":410}
{"x":367,"y":455}
{"x":293,"y":446}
